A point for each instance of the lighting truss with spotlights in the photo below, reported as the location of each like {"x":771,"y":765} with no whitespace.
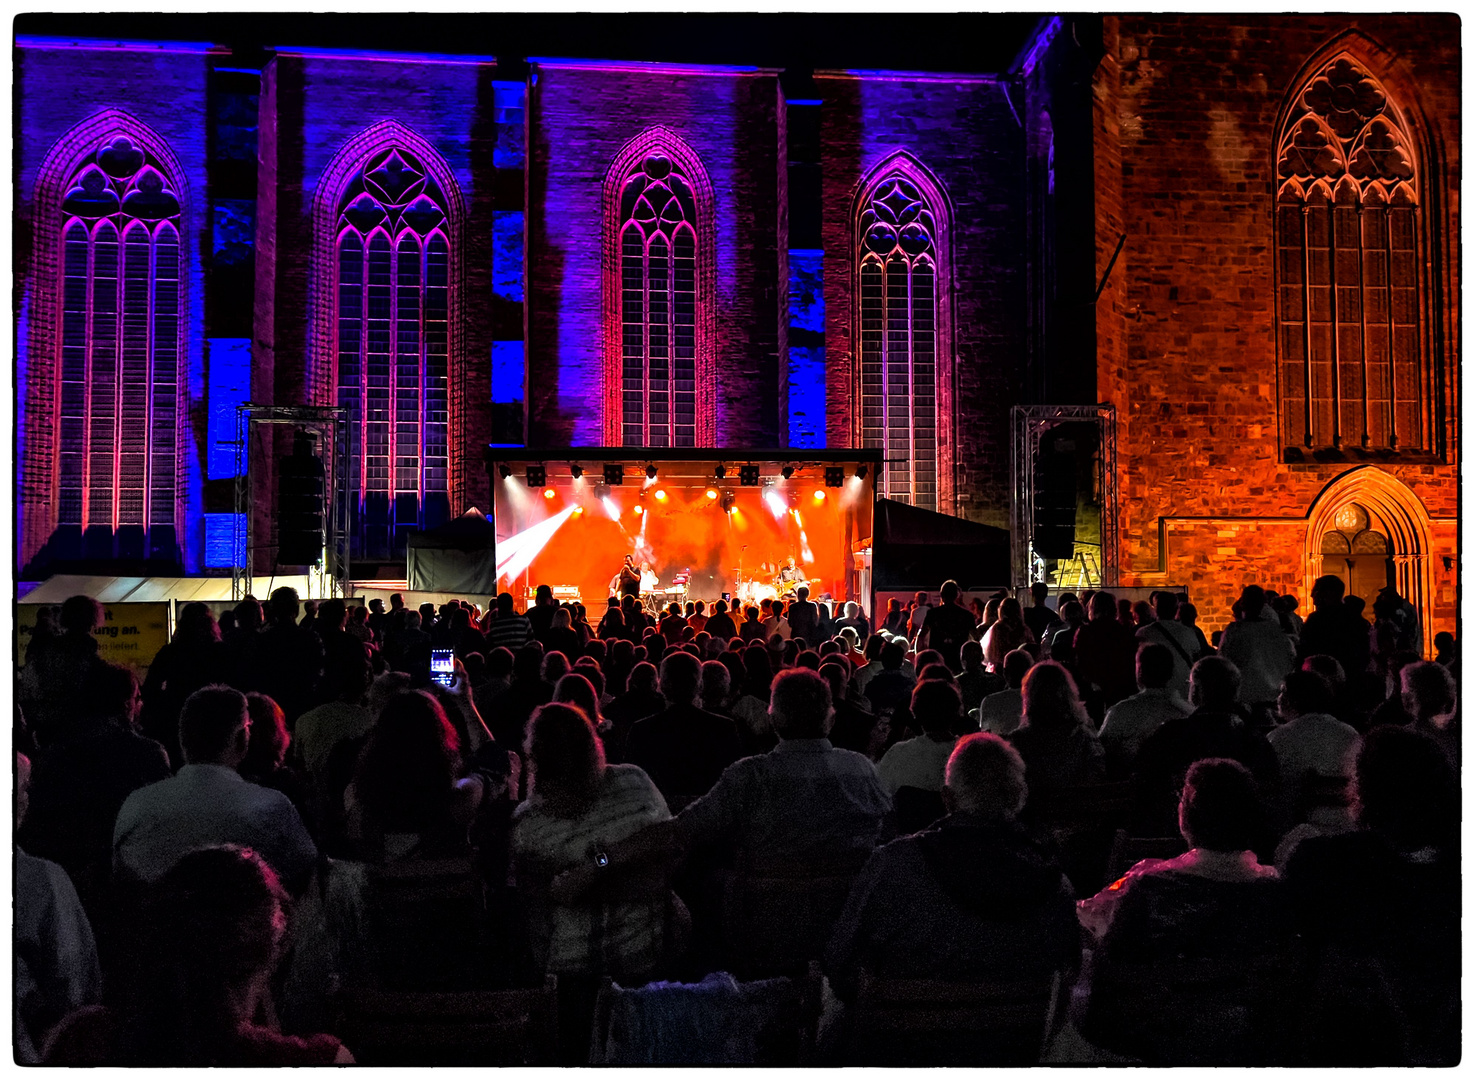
{"x":614,"y":475}
{"x":787,"y":472}
{"x":861,"y":472}
{"x":721,"y":472}
{"x":576,"y":471}
{"x":834,"y":476}
{"x":537,"y":476}
{"x":749,"y":475}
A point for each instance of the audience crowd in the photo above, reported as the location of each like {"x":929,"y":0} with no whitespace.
{"x":1243,"y":852}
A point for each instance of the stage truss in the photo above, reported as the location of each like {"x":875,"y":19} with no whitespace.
{"x":331,"y":576}
{"x":1030,"y":423}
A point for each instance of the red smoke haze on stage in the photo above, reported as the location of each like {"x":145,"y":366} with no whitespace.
{"x":688,"y":530}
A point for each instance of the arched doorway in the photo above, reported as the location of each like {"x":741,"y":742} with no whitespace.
{"x":1357,"y":553}
{"x":1386,"y":535}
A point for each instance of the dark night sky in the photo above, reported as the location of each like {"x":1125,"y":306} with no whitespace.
{"x":903,"y":42}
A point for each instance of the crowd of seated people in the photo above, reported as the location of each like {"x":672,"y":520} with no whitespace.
{"x":288,"y":805}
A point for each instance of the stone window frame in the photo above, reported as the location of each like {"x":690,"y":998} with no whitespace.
{"x":1335,"y":176}
{"x":39,"y":473}
{"x":341,"y":180}
{"x":904,"y":165}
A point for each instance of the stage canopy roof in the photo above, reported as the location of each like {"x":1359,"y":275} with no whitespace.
{"x":919,"y":549}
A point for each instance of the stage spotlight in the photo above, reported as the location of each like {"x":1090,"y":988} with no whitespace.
{"x":609,"y":507}
{"x":861,"y":471}
{"x":578,"y":511}
{"x":614,"y":475}
{"x":721,"y":472}
{"x":729,"y":501}
{"x":548,"y":493}
{"x":834,"y":476}
{"x":711,"y":493}
{"x":650,"y":472}
{"x":505,"y":470}
{"x":819,"y":495}
{"x":788,"y":472}
{"x":749,"y":475}
{"x":537,"y":476}
{"x":576,"y":471}
{"x":639,"y":509}
{"x":660,"y":494}
{"x":777,"y":504}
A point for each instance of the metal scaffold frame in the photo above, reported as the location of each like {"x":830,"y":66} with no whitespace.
{"x":1030,"y":422}
{"x":331,"y":424}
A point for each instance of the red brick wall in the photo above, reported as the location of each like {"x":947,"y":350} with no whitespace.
{"x":1187,"y":105}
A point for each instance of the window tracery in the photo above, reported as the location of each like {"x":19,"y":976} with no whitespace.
{"x":899,"y":317}
{"x":120,"y":343}
{"x":1348,"y":242}
{"x":393,"y":346}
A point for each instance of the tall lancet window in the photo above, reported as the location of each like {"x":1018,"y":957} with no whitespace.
{"x":121,"y":349}
{"x":658,"y":295}
{"x":1353,"y":370}
{"x":657,"y":273}
{"x":900,"y":292}
{"x":393,"y":347}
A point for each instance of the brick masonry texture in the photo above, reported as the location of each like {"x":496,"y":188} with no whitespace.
{"x":312,"y":107}
{"x":965,"y":134}
{"x":580,"y":118}
{"x":57,"y":91}
{"x":1185,"y":110}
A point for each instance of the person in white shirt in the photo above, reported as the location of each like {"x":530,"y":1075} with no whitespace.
{"x":207,"y":802}
{"x":1310,"y":741}
{"x":919,"y":610}
{"x":776,"y":624}
{"x":922,"y":762}
{"x":1259,"y":648}
{"x":1001,"y":713}
{"x":1180,"y":638}
{"x":1131,"y":721}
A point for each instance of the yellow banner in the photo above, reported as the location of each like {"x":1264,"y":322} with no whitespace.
{"x":130,"y":634}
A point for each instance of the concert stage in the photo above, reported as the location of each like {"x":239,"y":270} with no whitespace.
{"x":708,"y":523}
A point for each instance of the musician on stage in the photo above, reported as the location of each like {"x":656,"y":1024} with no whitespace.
{"x":629,"y":578}
{"x":788,"y":577}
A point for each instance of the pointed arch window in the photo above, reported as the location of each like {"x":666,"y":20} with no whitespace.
{"x":121,"y":349}
{"x":658,"y":304}
{"x":1353,"y":371}
{"x":393,"y":347}
{"x":898,"y":242}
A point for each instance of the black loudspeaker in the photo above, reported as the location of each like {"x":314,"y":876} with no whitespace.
{"x":1055,"y":494}
{"x":299,"y":504}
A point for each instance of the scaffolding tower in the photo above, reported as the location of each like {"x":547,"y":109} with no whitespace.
{"x":331,"y":424}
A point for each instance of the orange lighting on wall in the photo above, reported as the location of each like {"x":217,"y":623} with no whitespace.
{"x":548,"y":493}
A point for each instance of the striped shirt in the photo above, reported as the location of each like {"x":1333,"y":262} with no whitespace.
{"x":513,"y":631}
{"x":594,"y":937}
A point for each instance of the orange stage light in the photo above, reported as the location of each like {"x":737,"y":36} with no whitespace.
{"x":577,"y":511}
{"x":639,"y":509}
{"x":660,"y":494}
{"x":711,"y":493}
{"x":819,"y":495}
{"x":548,"y":493}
